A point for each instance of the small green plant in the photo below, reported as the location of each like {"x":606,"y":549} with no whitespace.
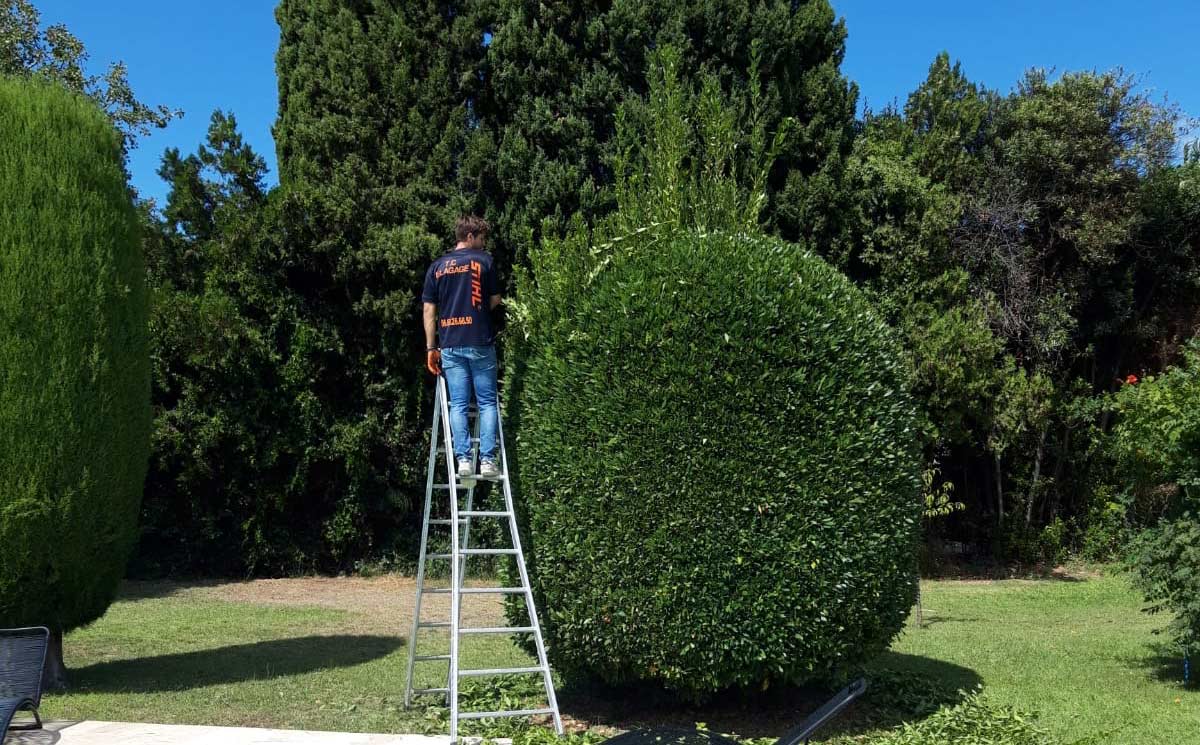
{"x":1165,"y":561}
{"x":938,"y":499}
{"x":975,"y":720}
{"x":1157,"y":444}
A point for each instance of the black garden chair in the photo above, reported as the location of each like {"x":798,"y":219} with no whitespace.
{"x":22,"y":660}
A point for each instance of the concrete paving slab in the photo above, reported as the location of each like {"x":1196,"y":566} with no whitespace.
{"x":132,"y":733}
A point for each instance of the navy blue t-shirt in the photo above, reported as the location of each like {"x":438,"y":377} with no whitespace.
{"x":461,"y":283}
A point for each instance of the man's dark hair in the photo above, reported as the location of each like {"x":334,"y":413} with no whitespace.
{"x":470,"y":225}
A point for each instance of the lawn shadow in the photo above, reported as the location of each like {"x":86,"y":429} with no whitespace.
{"x":1164,"y":664}
{"x":933,"y":618}
{"x":902,"y":688}
{"x":152,"y":589}
{"x":232,"y":664}
{"x":989,"y":570}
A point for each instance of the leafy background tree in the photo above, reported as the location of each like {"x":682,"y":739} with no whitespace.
{"x":1004,"y":233}
{"x":57,"y":54}
{"x":228,"y":434}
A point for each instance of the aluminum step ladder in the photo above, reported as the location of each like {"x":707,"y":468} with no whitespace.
{"x":459,"y":523}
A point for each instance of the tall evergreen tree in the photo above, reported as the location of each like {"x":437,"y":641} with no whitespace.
{"x":74,"y":362}
{"x":227,"y":491}
{"x":556,"y":72}
{"x":373,"y":114}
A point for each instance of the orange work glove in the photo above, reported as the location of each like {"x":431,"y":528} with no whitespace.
{"x":433,"y":361}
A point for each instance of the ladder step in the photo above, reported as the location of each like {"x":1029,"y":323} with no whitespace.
{"x":434,"y":625}
{"x":498,"y":671}
{"x":476,"y":552}
{"x":443,"y":521}
{"x":513,"y":713}
{"x":431,"y":657}
{"x":477,"y":590}
{"x":497,"y":630}
{"x":431,"y":690}
{"x":484,"y":513}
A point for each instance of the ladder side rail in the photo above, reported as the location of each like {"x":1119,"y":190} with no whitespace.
{"x":455,"y":574}
{"x":430,"y":470}
{"x":470,"y":494}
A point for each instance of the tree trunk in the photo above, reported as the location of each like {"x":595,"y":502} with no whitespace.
{"x":1106,"y":414}
{"x":1037,"y":475}
{"x":1064,"y":451}
{"x":54,"y":677}
{"x":999,"y":495}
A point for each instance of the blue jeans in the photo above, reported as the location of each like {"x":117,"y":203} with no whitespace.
{"x":466,"y":368}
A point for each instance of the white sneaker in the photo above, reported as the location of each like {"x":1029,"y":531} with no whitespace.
{"x":465,"y":468}
{"x":488,"y":469}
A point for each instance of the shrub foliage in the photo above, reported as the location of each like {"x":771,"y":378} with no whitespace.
{"x":719,"y":461}
{"x":1157,"y":450}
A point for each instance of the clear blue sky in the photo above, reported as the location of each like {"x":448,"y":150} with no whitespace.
{"x":221,"y":53}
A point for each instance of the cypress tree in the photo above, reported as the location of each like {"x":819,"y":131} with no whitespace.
{"x":373,"y":113}
{"x":556,"y":72}
{"x":74,"y":361}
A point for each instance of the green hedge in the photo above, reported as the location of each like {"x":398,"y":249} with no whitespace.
{"x":718,"y":463}
{"x":74,"y":363}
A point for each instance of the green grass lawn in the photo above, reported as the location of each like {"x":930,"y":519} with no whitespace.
{"x":1080,"y":653}
{"x":1077,"y":652}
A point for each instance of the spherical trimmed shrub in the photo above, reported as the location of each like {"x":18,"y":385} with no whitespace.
{"x":74,"y":361}
{"x":718,"y":462}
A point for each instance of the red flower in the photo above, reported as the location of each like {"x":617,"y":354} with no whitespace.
{"x":1131,"y":379}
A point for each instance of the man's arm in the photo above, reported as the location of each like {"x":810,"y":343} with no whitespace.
{"x":496,"y":300}
{"x":430,"y":325}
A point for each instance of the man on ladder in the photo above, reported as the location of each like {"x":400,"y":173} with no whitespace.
{"x":459,"y":296}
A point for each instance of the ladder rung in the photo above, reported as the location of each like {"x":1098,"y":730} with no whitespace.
{"x":484,"y":513}
{"x":432,"y":690}
{"x":443,"y":521}
{"x":476,"y":552}
{"x":498,"y":671}
{"x":497,"y":630}
{"x":477,"y":590}
{"x":431,"y":657}
{"x":513,"y":713}
{"x":433,"y":625}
